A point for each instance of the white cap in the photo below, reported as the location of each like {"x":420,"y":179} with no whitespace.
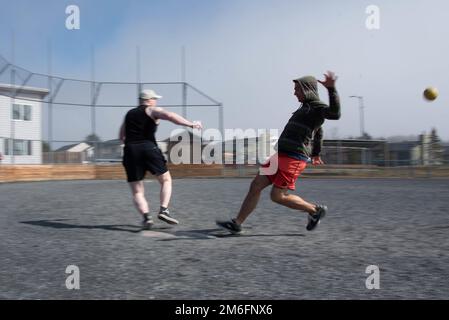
{"x":149,"y":94}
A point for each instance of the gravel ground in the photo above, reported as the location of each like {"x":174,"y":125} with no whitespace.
{"x":399,"y":225}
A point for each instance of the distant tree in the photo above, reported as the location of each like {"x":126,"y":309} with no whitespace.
{"x":45,"y":147}
{"x":436,"y":150}
{"x":434,"y":136}
{"x":92,"y":138}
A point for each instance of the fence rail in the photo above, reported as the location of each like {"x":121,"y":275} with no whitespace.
{"x":23,"y":173}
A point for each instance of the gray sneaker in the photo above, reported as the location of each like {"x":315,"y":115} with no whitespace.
{"x":230,"y":225}
{"x":164,"y":215}
{"x":314,"y":219}
{"x":147,"y":224}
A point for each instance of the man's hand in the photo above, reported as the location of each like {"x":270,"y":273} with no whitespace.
{"x":329,"y":80}
{"x":317,"y":160}
{"x":197,"y":125}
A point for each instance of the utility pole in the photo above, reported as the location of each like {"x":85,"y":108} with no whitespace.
{"x":362,"y":116}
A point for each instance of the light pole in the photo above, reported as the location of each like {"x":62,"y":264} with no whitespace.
{"x":362,"y":119}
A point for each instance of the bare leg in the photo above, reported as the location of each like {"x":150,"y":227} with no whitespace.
{"x":138,"y":191}
{"x":259,"y":183}
{"x":292,"y":201}
{"x":166,"y":188}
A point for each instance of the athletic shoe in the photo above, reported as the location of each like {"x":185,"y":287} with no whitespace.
{"x":230,"y":225}
{"x":164,"y":215}
{"x":314,"y":219}
{"x":147,"y":224}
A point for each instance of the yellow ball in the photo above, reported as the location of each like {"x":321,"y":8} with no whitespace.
{"x":431,"y":93}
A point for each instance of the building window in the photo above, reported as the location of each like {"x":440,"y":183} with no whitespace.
{"x":20,"y":147}
{"x":16,"y":112}
{"x":27,"y":113}
{"x":21,"y":112}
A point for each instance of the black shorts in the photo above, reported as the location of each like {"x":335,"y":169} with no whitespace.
{"x":141,"y":157}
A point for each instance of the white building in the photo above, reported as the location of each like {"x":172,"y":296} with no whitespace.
{"x":21,"y":124}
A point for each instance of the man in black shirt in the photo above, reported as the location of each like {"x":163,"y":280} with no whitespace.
{"x":301,"y":139}
{"x":141,"y":153}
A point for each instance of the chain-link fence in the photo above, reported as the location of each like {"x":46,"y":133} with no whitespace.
{"x":44,"y":115}
{"x":46,"y":119}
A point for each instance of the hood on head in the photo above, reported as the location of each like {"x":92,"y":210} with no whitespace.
{"x":309,"y":86}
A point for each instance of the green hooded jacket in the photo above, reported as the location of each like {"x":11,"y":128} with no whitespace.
{"x":303,"y":134}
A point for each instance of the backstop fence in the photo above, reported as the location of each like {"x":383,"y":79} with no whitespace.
{"x":52,"y":113}
{"x":46,"y":119}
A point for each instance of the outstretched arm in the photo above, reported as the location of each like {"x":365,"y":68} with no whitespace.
{"x":333,"y":112}
{"x":159,"y":113}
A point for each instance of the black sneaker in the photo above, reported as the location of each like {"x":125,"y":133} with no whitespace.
{"x":164,"y":215}
{"x":314,"y":219}
{"x":230,"y":225}
{"x":147,"y":223}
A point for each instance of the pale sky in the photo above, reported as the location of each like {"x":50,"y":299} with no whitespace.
{"x":244,"y":53}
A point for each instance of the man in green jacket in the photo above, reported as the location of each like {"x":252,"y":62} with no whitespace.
{"x":300,"y":140}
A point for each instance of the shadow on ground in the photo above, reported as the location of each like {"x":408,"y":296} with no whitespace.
{"x":59,"y":224}
{"x":197,"y":234}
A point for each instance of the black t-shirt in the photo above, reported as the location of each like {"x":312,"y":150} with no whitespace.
{"x":139,"y":127}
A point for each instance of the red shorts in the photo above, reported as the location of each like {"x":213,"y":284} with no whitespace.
{"x":287,"y":171}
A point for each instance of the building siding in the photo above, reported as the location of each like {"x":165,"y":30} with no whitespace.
{"x":23,"y":130}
